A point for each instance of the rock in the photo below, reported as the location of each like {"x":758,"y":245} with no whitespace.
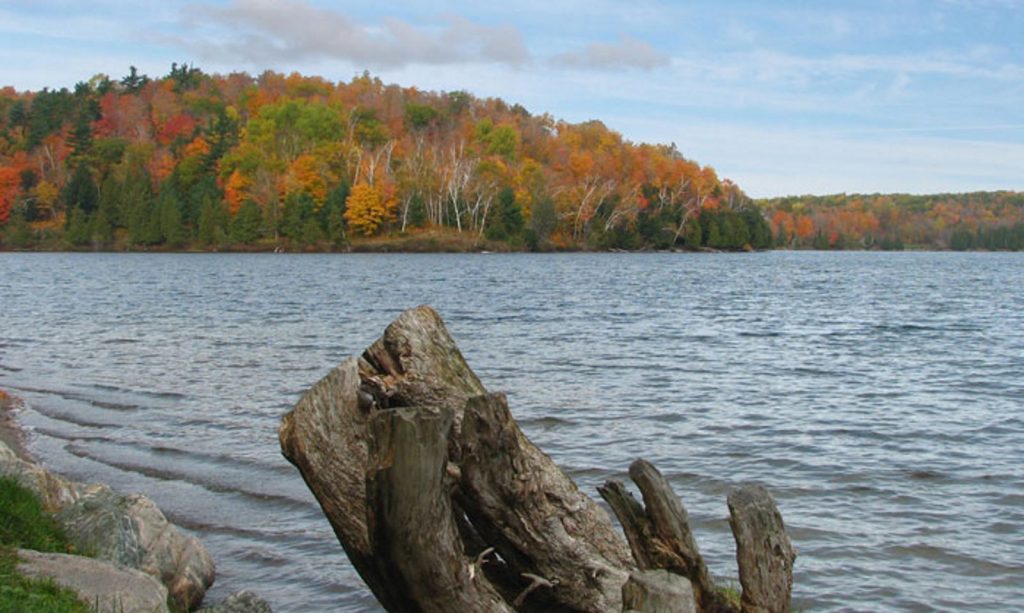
{"x":126,"y":530}
{"x":658,"y":591}
{"x":53,"y":491}
{"x":133,"y":532}
{"x":104,"y":586}
{"x":239,"y":602}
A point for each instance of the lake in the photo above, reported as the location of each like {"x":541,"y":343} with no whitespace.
{"x":879,"y":396}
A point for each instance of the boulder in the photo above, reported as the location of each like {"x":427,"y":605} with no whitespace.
{"x":658,"y":591}
{"x":54,"y":491}
{"x":104,"y":586}
{"x":126,"y":530}
{"x":132,"y":531}
{"x":239,"y":602}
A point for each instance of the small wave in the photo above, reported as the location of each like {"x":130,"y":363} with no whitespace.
{"x":547,"y":421}
{"x":277,"y":500}
{"x":925,"y":475}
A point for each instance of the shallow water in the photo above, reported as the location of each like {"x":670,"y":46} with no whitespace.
{"x":879,"y":396}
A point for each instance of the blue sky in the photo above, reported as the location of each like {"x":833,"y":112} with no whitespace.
{"x":791,"y":97}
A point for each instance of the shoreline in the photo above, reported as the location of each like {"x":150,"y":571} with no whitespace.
{"x":10,"y":432}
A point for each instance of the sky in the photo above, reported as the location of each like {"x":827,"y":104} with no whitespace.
{"x":783,"y":97}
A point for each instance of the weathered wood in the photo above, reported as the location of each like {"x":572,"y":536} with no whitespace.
{"x":635,"y":523}
{"x":417,"y":363}
{"x":658,"y":591}
{"x":442,"y":503}
{"x":763,"y":552}
{"x":671,"y":526}
{"x":535,"y":516}
{"x":412,"y":530}
{"x":659,"y":531}
{"x":325,"y":437}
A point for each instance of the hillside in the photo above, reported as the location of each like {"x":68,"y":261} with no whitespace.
{"x":197,"y":161}
{"x":980,"y":220}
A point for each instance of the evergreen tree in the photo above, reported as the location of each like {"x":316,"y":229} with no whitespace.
{"x":17,"y":233}
{"x":77,"y":227}
{"x":213,"y":222}
{"x":507,"y":220}
{"x":417,"y":212}
{"x":333,"y":215}
{"x":543,"y":222}
{"x":246,"y":227}
{"x":81,"y":192}
{"x":172,"y":233}
{"x":81,"y":138}
{"x":102,"y":228}
{"x":298,"y":208}
{"x":692,"y":233}
{"x":311,"y":232}
{"x":199,"y":196}
{"x":133,"y":82}
{"x":820,"y":242}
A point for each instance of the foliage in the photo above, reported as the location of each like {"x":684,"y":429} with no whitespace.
{"x":980,"y":220}
{"x":366,"y":210}
{"x":102,"y":165}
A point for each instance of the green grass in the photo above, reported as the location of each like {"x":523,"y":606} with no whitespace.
{"x":731,"y":593}
{"x":24,"y":524}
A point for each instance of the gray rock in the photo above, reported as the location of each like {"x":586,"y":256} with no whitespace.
{"x":104,"y":586}
{"x":658,"y":591}
{"x":132,"y":531}
{"x":239,"y":602}
{"x":54,"y":491}
{"x":126,"y":530}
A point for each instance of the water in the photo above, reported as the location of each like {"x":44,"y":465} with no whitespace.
{"x":880,"y":397}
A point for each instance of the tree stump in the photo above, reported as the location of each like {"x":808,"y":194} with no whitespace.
{"x":443,"y":504}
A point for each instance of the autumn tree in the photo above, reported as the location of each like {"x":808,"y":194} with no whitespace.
{"x":366,"y":209}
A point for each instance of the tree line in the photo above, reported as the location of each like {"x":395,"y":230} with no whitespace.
{"x":192,"y":160}
{"x":980,"y":220}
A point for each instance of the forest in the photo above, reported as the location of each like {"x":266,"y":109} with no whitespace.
{"x":992,"y":221}
{"x":209,"y":162}
{"x":194,"y":161}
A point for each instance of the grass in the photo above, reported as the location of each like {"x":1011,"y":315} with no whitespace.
{"x":24,"y":524}
{"x":731,"y":593}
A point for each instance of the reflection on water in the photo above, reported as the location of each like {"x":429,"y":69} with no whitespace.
{"x":879,"y":396}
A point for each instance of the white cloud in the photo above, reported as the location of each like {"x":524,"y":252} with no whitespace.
{"x":626,"y":54}
{"x":262,"y":32}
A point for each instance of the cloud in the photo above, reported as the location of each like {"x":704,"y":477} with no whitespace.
{"x":270,"y":31}
{"x":628,"y":53}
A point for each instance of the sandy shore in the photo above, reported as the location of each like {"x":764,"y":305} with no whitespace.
{"x":10,"y":434}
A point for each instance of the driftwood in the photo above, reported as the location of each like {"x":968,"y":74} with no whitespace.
{"x":763,"y":551}
{"x":443,"y":504}
{"x":659,"y":535}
